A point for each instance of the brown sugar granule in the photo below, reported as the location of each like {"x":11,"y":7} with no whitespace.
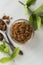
{"x":6,"y":18}
{"x":8,"y":21}
{"x":21,"y":31}
{"x":2,"y":25}
{"x":1,"y":37}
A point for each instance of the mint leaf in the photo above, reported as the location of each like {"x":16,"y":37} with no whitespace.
{"x":5,"y":59}
{"x":27,"y":10}
{"x":38,"y":22}
{"x":15,"y":53}
{"x":4,"y":48}
{"x":35,"y":21}
{"x":38,"y":10}
{"x":42,"y":20}
{"x":11,"y":57}
{"x":30,"y":2}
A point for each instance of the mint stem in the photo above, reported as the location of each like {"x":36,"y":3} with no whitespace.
{"x":22,"y":3}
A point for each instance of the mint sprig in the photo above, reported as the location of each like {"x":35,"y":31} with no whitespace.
{"x":36,"y":18}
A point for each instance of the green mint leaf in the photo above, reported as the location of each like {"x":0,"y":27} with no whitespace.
{"x":30,"y":2}
{"x":42,"y":20}
{"x":27,"y":10}
{"x":35,"y":21}
{"x":38,"y":10}
{"x":4,"y":48}
{"x":15,"y":53}
{"x":5,"y":59}
{"x":38,"y":22}
{"x":11,"y":57}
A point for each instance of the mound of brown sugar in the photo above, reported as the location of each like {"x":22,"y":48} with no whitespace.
{"x":3,"y":26}
{"x":21,"y":31}
{"x":1,"y":37}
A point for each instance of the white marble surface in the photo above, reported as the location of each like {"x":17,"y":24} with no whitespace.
{"x":33,"y":49}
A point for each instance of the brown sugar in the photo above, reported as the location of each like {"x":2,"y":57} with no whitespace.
{"x":1,"y":37}
{"x":6,"y":18}
{"x":2,"y":25}
{"x":21,"y":31}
